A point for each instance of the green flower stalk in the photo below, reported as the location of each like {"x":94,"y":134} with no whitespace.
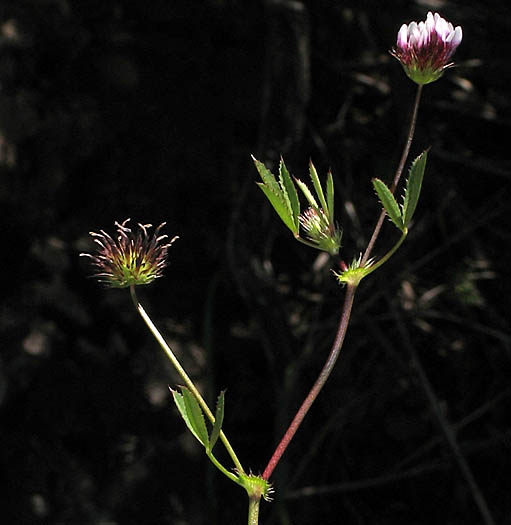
{"x":425,"y":48}
{"x":132,"y":258}
{"x":138,"y":258}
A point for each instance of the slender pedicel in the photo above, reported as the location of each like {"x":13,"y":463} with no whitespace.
{"x":138,"y":258}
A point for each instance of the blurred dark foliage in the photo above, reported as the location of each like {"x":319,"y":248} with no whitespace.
{"x":150,"y":110}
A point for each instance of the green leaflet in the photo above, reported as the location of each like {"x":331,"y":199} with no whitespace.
{"x":413,"y":187}
{"x":287,"y":184}
{"x":276,"y":200}
{"x":330,"y":197}
{"x":389,"y":203}
{"x":308,"y":195}
{"x":219,"y":419}
{"x":282,"y":195}
{"x":317,"y":187}
{"x":317,"y":221}
{"x":267,"y":176}
{"x":192,"y":414}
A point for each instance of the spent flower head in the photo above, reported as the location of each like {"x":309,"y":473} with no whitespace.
{"x":132,"y":257}
{"x":425,"y":48}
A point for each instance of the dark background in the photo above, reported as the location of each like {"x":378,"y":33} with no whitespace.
{"x":112,"y":109}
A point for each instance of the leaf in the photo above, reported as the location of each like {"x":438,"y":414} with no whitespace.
{"x":266,"y":175}
{"x":180,"y":403}
{"x":279,"y":206}
{"x":317,"y":186}
{"x":308,"y":195}
{"x":192,"y":414}
{"x":195,"y":416}
{"x":287,"y":184}
{"x":330,"y":197}
{"x":285,"y":198}
{"x":278,"y":196}
{"x":413,"y":187}
{"x":389,"y":203}
{"x":219,"y":419}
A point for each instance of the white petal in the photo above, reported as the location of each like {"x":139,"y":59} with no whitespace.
{"x":423,"y":39}
{"x":457,"y":36}
{"x":413,"y":34}
{"x":430,"y":22}
{"x":402,"y":37}
{"x":442,"y":28}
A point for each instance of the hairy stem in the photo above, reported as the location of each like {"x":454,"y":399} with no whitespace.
{"x":318,"y":385}
{"x":184,"y":376}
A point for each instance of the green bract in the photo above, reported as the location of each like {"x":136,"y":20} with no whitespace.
{"x":256,"y":486}
{"x":355,"y":272}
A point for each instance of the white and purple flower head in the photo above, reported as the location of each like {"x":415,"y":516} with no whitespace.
{"x":425,"y":48}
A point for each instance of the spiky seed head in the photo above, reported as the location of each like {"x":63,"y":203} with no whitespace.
{"x":425,"y":48}
{"x":130,"y":257}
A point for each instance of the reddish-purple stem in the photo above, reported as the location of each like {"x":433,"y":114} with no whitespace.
{"x":318,"y":385}
{"x":397,"y":175}
{"x":345,"y":315}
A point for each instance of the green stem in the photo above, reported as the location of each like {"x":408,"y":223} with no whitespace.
{"x":388,"y":255}
{"x":184,"y":376}
{"x":222,"y":469}
{"x":253,"y":509}
{"x":306,"y":242}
